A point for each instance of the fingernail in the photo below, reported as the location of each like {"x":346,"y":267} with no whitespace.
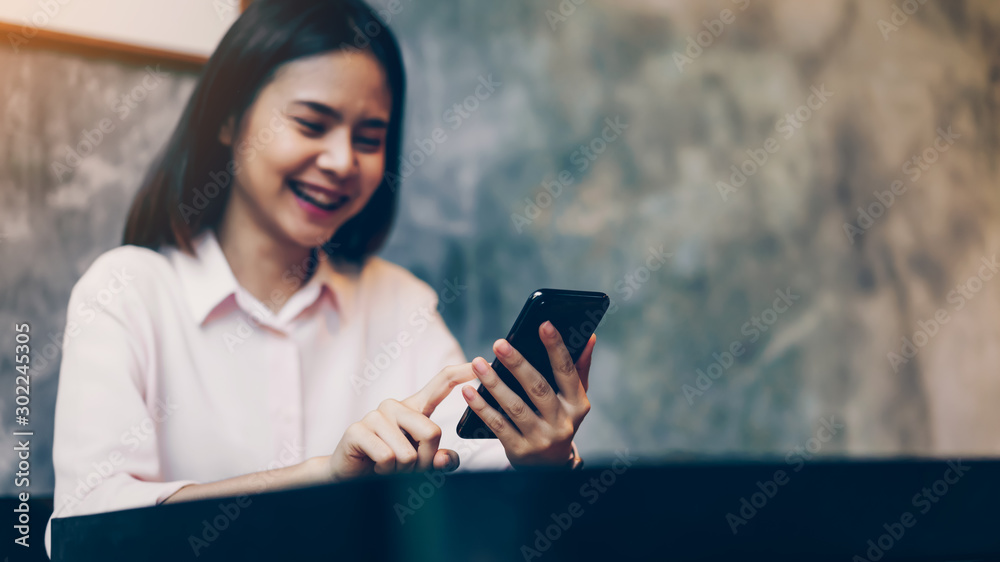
{"x":479,"y":366}
{"x":549,"y":329}
{"x":468,"y":392}
{"x":503,"y":348}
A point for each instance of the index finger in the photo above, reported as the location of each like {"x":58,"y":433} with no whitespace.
{"x":566,"y":375}
{"x":428,"y":397}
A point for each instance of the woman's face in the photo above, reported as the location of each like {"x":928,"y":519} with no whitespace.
{"x":311,"y":151}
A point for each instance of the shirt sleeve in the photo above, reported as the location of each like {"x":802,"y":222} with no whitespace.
{"x":437,"y":349}
{"x":105,"y":449}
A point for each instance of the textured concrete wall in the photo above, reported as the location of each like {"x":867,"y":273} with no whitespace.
{"x":63,"y":204}
{"x":660,"y":194}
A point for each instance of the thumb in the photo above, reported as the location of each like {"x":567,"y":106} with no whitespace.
{"x":428,"y":397}
{"x":446,"y":460}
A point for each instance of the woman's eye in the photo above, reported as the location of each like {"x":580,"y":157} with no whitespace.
{"x":312,"y":126}
{"x":369,"y":143}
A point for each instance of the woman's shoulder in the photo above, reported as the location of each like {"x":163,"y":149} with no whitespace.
{"x":387,"y":279}
{"x":122,"y":268}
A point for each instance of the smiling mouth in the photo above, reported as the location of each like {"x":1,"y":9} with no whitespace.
{"x":316,"y":198}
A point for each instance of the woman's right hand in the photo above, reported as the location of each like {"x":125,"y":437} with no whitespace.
{"x":398,"y":436}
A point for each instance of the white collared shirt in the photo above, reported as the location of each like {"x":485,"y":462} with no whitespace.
{"x":173,"y":374}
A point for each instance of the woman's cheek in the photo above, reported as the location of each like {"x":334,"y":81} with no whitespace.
{"x":246,"y":151}
{"x":374,"y":170}
{"x":283,"y":156}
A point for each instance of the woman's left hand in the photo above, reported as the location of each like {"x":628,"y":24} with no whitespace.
{"x":545,"y":437}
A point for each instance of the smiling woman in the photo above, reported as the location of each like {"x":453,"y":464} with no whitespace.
{"x":257,"y":300}
{"x":297,"y":74}
{"x":320,"y":171}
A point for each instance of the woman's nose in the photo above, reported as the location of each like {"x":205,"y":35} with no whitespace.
{"x":338,"y":155}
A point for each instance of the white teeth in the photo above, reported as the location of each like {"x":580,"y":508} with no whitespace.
{"x":319,"y":196}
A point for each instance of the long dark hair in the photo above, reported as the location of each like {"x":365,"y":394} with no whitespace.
{"x":187,"y":187}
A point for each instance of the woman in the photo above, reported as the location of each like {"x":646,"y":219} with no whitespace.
{"x":245,"y":337}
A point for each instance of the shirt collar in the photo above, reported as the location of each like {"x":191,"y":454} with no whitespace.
{"x":208,"y":282}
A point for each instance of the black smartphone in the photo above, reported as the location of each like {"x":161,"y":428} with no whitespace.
{"x":575,"y":314}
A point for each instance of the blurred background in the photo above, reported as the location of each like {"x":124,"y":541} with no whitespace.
{"x":793,"y":205}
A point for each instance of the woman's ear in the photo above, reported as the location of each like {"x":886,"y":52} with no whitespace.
{"x":226,"y":131}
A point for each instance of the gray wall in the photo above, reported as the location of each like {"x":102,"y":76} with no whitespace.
{"x":655,"y":186}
